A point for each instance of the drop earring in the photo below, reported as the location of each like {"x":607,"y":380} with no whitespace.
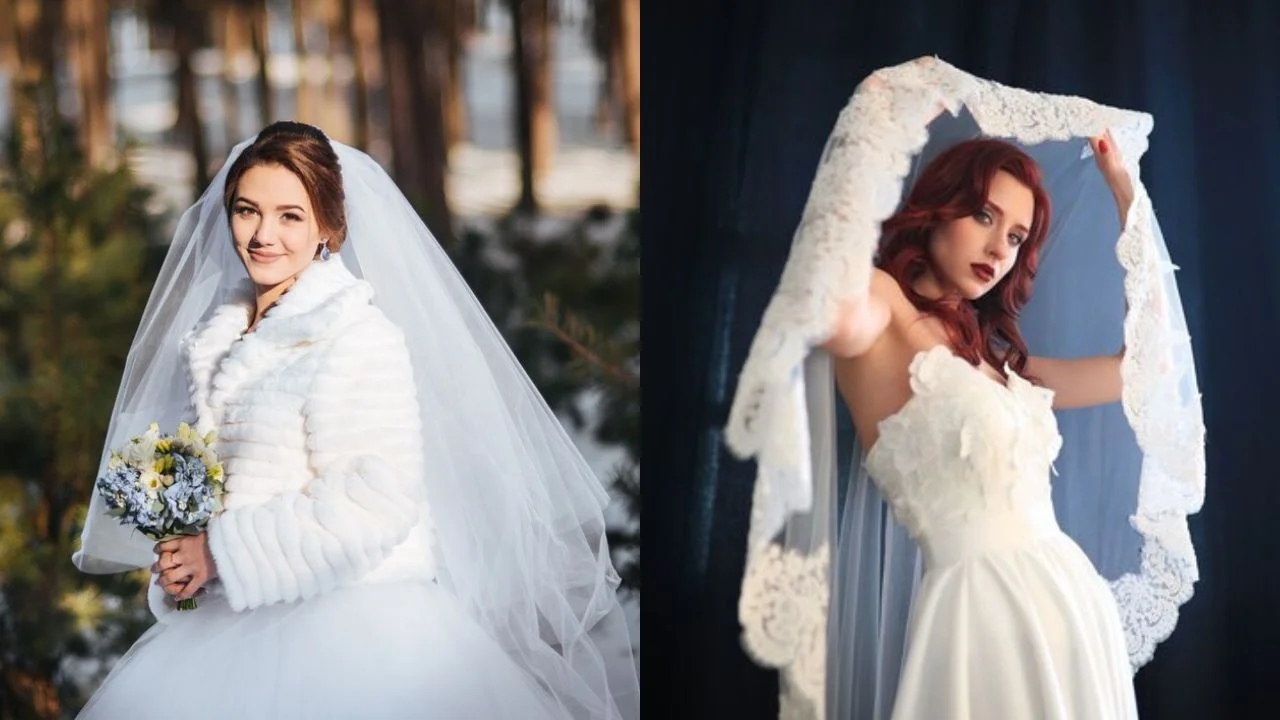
{"x":324,"y":252}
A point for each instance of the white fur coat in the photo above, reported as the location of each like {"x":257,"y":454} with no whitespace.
{"x":319,"y":434}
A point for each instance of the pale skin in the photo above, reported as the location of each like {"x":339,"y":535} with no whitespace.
{"x":277,"y":237}
{"x":876,"y":338}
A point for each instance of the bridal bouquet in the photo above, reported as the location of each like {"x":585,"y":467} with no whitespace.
{"x":166,"y":486}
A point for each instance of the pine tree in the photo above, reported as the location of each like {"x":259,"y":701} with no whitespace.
{"x":78,"y":253}
{"x":569,"y":306}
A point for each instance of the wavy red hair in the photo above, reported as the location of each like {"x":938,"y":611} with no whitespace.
{"x":953,"y":186}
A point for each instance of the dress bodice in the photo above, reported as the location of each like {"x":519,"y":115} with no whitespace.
{"x":966,"y":454}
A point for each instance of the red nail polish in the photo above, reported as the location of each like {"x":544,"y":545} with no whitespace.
{"x":1102,"y":146}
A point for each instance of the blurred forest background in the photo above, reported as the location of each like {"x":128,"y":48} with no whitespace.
{"x":512,"y":125}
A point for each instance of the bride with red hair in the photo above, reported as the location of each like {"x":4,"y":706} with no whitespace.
{"x":936,"y":339}
{"x":970,"y":502}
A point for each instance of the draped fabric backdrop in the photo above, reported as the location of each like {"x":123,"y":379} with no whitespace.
{"x":742,"y":96}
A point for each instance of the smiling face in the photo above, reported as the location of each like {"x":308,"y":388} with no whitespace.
{"x":972,"y":254}
{"x":273,"y":225}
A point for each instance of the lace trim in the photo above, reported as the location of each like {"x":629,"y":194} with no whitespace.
{"x":783,"y":608}
{"x":1149,"y":600}
{"x":856,"y":187}
{"x":1169,"y":427}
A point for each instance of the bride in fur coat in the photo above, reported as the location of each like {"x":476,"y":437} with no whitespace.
{"x":407,"y":532}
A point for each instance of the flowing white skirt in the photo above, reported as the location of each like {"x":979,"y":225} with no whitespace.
{"x":402,"y":650}
{"x":1026,"y":632}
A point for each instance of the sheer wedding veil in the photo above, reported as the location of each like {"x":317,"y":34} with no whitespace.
{"x":518,"y":513}
{"x":830,"y":576}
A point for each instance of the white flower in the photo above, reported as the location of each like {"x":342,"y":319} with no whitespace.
{"x":150,"y":480}
{"x":140,"y":452}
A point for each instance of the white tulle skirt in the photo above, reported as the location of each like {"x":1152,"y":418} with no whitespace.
{"x":402,"y":650}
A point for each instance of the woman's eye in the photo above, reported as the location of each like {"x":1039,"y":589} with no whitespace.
{"x":983,"y":217}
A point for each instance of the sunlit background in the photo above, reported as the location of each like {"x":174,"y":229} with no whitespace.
{"x":515,"y":134}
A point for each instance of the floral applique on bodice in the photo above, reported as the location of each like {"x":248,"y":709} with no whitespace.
{"x":965,"y":446}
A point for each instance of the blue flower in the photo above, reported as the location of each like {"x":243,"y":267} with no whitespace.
{"x":119,"y":487}
{"x":189,"y":500}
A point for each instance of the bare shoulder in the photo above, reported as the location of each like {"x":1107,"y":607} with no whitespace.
{"x":875,"y":385}
{"x":903,"y":315}
{"x":885,"y":287}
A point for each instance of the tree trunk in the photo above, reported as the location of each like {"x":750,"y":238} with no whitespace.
{"x":545,"y":131}
{"x":333,"y":110}
{"x":360,"y":23}
{"x":628,"y":44}
{"x":454,"y":19}
{"x":35,"y":91}
{"x":535,"y":107}
{"x":305,"y":110}
{"x":8,"y":38}
{"x":415,"y":99}
{"x":103,"y":131}
{"x":88,"y":45}
{"x":10,"y":61}
{"x":528,"y":201}
{"x":229,"y":35}
{"x":257,"y":13}
{"x":604,"y":43}
{"x":186,"y":27}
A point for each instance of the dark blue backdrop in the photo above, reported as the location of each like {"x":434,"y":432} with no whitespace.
{"x":741,"y":95}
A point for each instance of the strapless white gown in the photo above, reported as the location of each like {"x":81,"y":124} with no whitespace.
{"x":1011,"y":620}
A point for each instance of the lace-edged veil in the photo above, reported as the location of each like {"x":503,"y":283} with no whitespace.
{"x":518,"y":514}
{"x":830,"y":576}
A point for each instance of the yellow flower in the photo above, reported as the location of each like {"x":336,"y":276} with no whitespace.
{"x":187,"y":436}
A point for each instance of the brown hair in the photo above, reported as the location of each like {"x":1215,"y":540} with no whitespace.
{"x":304,"y":151}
